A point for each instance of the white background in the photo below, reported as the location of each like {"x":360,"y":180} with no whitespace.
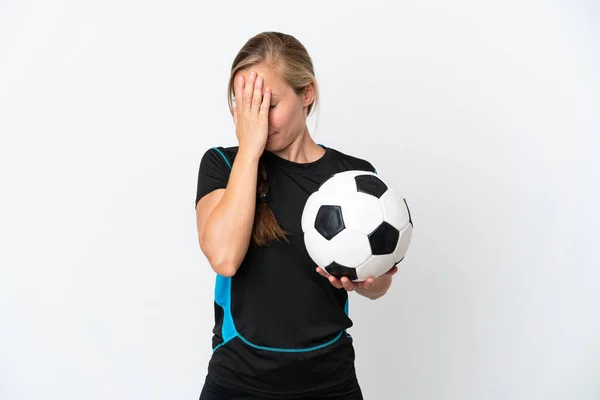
{"x":485,"y":116}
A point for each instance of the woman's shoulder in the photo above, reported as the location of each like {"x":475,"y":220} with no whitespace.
{"x":230,"y":150}
{"x":353,"y":160}
{"x":221,"y":153}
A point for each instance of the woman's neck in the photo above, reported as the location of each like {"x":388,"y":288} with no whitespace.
{"x":303,"y":149}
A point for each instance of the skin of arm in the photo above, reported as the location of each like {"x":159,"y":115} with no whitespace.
{"x":225,"y":217}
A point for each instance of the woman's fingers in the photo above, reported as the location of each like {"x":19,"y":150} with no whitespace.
{"x":335,"y":282}
{"x":238,"y":91}
{"x":248,"y":91}
{"x":368,"y":283}
{"x":392,"y":270}
{"x":266,"y":103}
{"x":250,"y":95}
{"x":347,"y":284}
{"x":332,"y":279}
{"x":257,"y":94}
{"x":251,"y":123}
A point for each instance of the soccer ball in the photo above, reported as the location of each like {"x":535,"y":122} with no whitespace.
{"x":355,"y":225}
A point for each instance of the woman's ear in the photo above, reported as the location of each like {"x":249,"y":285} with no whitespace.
{"x":235,"y":115}
{"x":309,"y":94}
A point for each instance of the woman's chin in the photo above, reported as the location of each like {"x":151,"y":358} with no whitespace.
{"x":271,"y":142}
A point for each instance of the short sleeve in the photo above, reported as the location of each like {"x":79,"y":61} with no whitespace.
{"x":213,"y":172}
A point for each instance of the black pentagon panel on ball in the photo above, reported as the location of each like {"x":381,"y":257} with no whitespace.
{"x":384,"y":239}
{"x":370,"y":184}
{"x":338,"y":271}
{"x":329,"y":221}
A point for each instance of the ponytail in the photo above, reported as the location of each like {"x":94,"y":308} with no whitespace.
{"x":266,"y":228}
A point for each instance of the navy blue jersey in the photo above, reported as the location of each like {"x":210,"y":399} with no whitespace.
{"x":280,"y":327}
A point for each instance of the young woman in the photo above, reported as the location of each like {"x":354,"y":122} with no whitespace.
{"x":280,"y":320}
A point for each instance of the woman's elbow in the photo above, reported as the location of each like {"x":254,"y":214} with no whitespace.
{"x":220,"y":264}
{"x":226,"y":269}
{"x":220,"y":259}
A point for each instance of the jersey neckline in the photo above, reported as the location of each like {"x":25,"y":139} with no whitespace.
{"x":287,"y":163}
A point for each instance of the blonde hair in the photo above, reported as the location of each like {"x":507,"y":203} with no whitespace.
{"x":285,"y":55}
